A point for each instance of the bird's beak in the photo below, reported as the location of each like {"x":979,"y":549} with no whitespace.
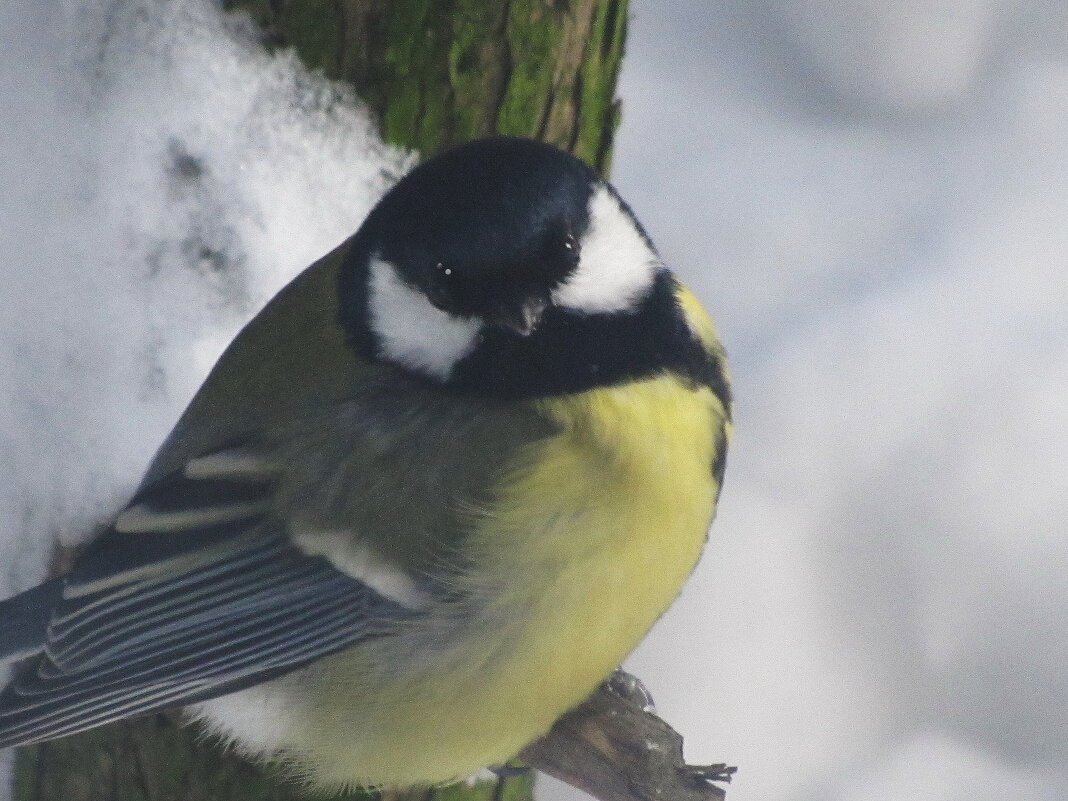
{"x":524,"y":318}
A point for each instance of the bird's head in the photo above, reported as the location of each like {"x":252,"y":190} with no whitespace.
{"x":508,"y":267}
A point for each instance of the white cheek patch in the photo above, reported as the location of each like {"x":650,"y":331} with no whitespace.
{"x":616,"y":266}
{"x":411,"y":331}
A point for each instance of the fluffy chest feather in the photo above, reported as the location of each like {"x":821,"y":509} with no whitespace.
{"x":585,"y":547}
{"x":598,"y":534}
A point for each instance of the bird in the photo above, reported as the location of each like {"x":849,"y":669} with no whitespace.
{"x":425,"y":502}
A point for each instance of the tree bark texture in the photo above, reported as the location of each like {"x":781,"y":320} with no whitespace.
{"x":440,"y":72}
{"x":435,"y":73}
{"x":154,"y":759}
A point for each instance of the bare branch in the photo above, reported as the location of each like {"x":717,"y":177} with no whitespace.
{"x":613,"y":747}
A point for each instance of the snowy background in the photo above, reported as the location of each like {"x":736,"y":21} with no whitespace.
{"x":872,"y":199}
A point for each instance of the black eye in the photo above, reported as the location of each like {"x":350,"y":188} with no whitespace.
{"x":439,"y":287}
{"x":570,"y":251}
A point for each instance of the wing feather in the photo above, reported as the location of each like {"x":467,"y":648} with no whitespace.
{"x":182,"y":605}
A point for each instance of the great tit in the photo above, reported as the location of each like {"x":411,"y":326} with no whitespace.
{"x":426,"y":501}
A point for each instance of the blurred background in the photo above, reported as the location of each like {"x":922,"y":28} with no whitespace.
{"x":871,"y":198}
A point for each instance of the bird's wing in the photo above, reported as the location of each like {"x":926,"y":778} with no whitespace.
{"x":194,"y":593}
{"x":198,"y":589}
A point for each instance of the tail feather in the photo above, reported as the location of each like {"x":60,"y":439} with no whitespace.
{"x":24,"y":619}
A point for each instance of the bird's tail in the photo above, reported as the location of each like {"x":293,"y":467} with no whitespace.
{"x":24,"y":619}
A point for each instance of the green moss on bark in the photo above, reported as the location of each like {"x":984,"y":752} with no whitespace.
{"x":439,"y":72}
{"x":599,"y":107}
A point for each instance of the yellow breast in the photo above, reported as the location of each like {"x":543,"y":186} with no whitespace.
{"x":627,"y":494}
{"x":585,"y":546}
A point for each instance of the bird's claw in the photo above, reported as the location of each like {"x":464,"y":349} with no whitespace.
{"x":719,"y":772}
{"x":630,"y":688}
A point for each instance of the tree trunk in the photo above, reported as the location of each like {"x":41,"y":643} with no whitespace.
{"x":435,"y":73}
{"x":440,"y":72}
